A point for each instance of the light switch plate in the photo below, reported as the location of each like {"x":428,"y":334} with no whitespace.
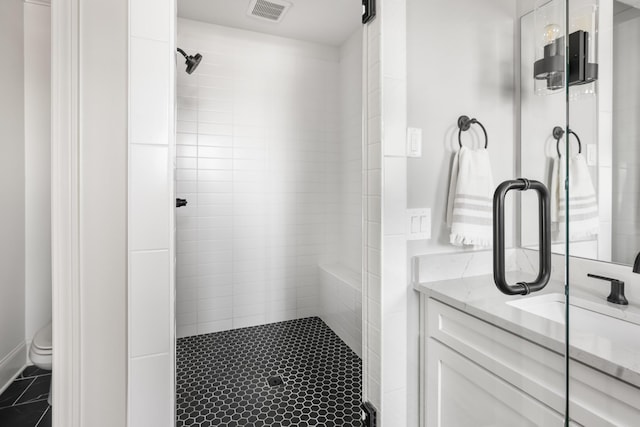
{"x":418,"y":224}
{"x":414,"y":142}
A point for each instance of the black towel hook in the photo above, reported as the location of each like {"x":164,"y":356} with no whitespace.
{"x":558,"y":133}
{"x":464,"y":123}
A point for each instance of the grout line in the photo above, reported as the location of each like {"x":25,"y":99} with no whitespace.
{"x":23,"y":392}
{"x":29,"y":402}
{"x":32,"y":376}
{"x":42,"y":416}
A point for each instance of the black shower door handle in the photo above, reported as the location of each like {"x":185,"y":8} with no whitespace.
{"x":544,"y":224}
{"x":181,"y":202}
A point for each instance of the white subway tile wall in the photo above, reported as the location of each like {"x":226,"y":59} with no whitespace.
{"x":395,"y":358}
{"x":259,"y":160}
{"x":341,"y":283}
{"x":150,"y":217}
{"x":351,"y":155}
{"x":341,"y":302}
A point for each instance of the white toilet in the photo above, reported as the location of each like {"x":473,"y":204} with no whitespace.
{"x":41,"y":350}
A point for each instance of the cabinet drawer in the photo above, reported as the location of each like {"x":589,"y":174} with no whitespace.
{"x":461,"y":393}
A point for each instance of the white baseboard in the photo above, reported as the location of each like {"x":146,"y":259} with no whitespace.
{"x":12,"y":364}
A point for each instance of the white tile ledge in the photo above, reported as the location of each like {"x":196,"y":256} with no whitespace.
{"x":344,"y":274}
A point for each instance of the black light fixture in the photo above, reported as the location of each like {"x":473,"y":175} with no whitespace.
{"x":551,"y":48}
{"x":191,"y":61}
{"x":551,"y":66}
{"x":581,"y":71}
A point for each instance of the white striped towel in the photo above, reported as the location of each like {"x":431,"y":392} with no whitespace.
{"x":470,"y":201}
{"x":583,"y":205}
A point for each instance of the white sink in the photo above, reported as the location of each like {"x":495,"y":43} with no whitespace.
{"x":618,"y":325}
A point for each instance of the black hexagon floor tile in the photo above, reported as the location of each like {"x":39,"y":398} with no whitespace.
{"x":223,"y":378}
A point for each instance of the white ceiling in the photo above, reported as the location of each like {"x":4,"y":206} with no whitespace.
{"x":321,"y":21}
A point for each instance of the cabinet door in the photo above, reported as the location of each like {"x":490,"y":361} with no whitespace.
{"x":461,"y":393}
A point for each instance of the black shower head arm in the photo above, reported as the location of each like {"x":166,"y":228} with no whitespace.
{"x":192,"y":61}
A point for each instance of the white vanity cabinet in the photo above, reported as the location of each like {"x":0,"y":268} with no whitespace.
{"x":477,"y":374}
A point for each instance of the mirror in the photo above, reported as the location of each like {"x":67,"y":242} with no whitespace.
{"x":604,"y":119}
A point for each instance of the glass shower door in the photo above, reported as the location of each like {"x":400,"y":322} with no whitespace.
{"x":603,"y":213}
{"x":545,"y":70}
{"x":491,"y":355}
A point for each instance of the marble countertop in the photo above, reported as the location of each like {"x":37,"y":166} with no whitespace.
{"x":479,"y":297}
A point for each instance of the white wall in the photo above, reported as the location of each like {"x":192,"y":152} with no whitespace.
{"x":385,"y":286}
{"x":12,"y":189}
{"x":102,"y":133}
{"x":37,"y":135}
{"x":341,"y":303}
{"x":101,"y":120}
{"x":371,"y":210}
{"x":394,"y":288}
{"x":461,"y":61}
{"x":349,"y":242}
{"x":341,"y":281}
{"x":257,"y":157}
{"x":151,"y":204}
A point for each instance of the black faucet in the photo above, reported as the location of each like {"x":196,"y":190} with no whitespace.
{"x":636,"y":264}
{"x":616,"y":295}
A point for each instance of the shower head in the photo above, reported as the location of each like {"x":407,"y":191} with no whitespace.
{"x":191,"y":61}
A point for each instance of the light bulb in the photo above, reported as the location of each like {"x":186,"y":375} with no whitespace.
{"x":551,"y":33}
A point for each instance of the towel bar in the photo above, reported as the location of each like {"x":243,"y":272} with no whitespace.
{"x":558,"y":133}
{"x":464,"y":123}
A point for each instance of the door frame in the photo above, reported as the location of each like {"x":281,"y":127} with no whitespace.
{"x":65,"y":221}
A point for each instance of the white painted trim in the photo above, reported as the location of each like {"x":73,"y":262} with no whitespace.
{"x":39,"y":2}
{"x":65,"y":225}
{"x":16,"y":358}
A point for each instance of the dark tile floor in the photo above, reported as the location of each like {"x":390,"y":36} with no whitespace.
{"x":224,"y":378}
{"x":24,"y":402}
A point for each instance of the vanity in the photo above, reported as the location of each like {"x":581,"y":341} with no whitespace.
{"x":491,"y":359}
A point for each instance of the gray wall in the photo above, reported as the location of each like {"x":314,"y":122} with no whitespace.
{"x":626,"y":134}
{"x":12,"y":183}
{"x":461,"y":59}
{"x":37,"y":137}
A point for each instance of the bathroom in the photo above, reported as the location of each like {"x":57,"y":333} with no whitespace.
{"x":439,"y":343}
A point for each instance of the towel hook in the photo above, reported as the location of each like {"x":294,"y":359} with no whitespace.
{"x":558,"y":133}
{"x":464,"y":123}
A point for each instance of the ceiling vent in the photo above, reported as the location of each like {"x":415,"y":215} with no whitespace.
{"x":268,"y":10}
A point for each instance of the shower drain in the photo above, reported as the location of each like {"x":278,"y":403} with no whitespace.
{"x":275,"y":381}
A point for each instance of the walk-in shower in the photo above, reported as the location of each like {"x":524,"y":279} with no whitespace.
{"x":269,"y":247}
